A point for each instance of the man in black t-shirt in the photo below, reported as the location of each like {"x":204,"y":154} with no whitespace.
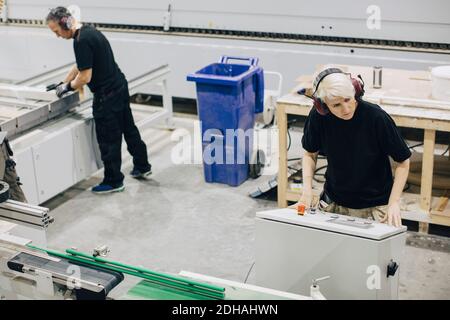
{"x":357,"y":138}
{"x":96,"y":67}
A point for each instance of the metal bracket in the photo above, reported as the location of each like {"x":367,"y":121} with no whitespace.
{"x":101,"y":251}
{"x":167,"y":18}
{"x":316,"y":281}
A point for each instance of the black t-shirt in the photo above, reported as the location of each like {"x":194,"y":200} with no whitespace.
{"x":92,"y":50}
{"x":359,"y":173}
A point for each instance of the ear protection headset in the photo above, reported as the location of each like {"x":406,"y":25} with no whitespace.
{"x":321,"y":106}
{"x":63,"y":17}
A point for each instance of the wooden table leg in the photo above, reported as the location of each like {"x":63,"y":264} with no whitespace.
{"x":282,"y":166}
{"x":426,"y":184}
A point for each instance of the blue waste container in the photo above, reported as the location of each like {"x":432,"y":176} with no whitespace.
{"x":228,"y":96}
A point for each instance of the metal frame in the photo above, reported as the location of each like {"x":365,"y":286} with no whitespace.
{"x":25,"y":214}
{"x":29,"y":107}
{"x":66,"y":144}
{"x":158,"y":76}
{"x":47,"y":77}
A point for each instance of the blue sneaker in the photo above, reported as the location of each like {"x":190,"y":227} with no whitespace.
{"x":106,"y":188}
{"x":138,"y":174}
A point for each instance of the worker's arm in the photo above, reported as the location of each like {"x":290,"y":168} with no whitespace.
{"x":72,"y":74}
{"x":393,"y":216}
{"x":308,"y":168}
{"x":83,"y":77}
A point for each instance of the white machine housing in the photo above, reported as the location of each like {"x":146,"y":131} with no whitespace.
{"x":293,"y":250}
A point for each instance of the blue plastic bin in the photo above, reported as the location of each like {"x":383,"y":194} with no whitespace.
{"x":228,"y":96}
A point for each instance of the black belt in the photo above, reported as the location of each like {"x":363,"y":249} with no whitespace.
{"x":103,"y":95}
{"x":325,"y":197}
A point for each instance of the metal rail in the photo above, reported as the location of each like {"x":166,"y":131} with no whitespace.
{"x":163,"y":279}
{"x":25,"y":214}
{"x":413,"y":46}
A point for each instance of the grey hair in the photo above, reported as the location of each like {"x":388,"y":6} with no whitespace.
{"x":335,"y":85}
{"x":57,"y":14}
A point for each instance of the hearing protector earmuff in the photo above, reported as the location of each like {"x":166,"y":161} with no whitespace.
{"x":63,"y":17}
{"x":321,"y":106}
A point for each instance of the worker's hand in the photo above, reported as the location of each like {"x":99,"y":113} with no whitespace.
{"x":53,"y":86}
{"x":305,"y":199}
{"x":393,"y":216}
{"x":62,"y":89}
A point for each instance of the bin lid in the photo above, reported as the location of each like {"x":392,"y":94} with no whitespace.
{"x":337,"y":223}
{"x":223,"y":74}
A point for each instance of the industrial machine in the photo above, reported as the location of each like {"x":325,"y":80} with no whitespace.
{"x":356,"y":258}
{"x":54,"y":139}
{"x":28,"y":270}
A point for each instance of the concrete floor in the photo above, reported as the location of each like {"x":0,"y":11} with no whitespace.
{"x":175,"y":221}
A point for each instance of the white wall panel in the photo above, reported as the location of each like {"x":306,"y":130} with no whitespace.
{"x":138,"y":53}
{"x":407,"y":20}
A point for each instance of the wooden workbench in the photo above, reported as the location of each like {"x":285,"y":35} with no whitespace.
{"x":409,"y":104}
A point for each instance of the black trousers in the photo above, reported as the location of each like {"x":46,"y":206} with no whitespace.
{"x":113,"y":118}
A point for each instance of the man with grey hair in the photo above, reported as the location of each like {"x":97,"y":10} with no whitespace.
{"x":96,"y":68}
{"x":357,"y":138}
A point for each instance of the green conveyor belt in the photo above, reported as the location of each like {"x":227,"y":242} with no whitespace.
{"x":147,"y":290}
{"x":155,"y":284}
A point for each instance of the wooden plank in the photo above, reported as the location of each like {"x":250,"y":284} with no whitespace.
{"x":416,"y":112}
{"x":413,"y":103}
{"x":300,"y":111}
{"x":443,"y":201}
{"x":410,"y":206}
{"x":440,"y":208}
{"x":396,"y":83}
{"x":426,"y":118}
{"x":426,"y":185}
{"x":440,"y":219}
{"x":282,"y":171}
{"x":438,"y":124}
{"x":426,"y":124}
{"x":423,"y":227}
{"x":438,"y":213}
{"x":295,"y":99}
